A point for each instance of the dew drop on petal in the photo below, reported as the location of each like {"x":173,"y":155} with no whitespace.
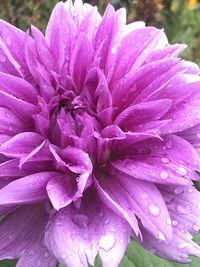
{"x":198,"y":117}
{"x":190,"y":190}
{"x":164,"y":175}
{"x":107,"y":242}
{"x":165,"y":160}
{"x":113,"y":230}
{"x":181,"y":171}
{"x":64,"y":256}
{"x":154,"y":210}
{"x":178,"y":191}
{"x":174,"y":222}
{"x":169,"y":144}
{"x":168,"y":221}
{"x":161,"y":236}
{"x":114,"y":49}
{"x":106,"y":222}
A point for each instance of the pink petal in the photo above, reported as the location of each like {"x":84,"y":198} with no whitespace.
{"x":75,"y":235}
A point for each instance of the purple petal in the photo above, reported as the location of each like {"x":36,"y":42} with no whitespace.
{"x":96,"y":91}
{"x":154,"y":161}
{"x":142,"y":113}
{"x":10,"y":123}
{"x":137,"y":198}
{"x":183,"y":205}
{"x":79,"y":69}
{"x":42,"y":49}
{"x":21,"y":144}
{"x":75,"y":235}
{"x":22,"y":109}
{"x":177,"y":250}
{"x":12,"y":44}
{"x":25,"y":239}
{"x":18,"y":88}
{"x":11,"y":168}
{"x":60,"y":37}
{"x":29,"y":189}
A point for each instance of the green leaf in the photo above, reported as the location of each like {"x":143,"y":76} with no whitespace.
{"x":7,"y":263}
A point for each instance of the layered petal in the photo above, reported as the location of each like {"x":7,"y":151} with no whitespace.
{"x":88,"y":229}
{"x":29,"y":189}
{"x":25,"y":239}
{"x":135,"y":198}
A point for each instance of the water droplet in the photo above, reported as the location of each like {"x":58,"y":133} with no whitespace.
{"x":107,"y":222}
{"x":154,"y":210}
{"x":198,"y":135}
{"x":129,"y":165}
{"x":198,"y":117}
{"x":107,"y":242}
{"x":164,"y":175}
{"x":181,"y":171}
{"x":168,"y":221}
{"x":114,"y":49}
{"x":178,"y":191}
{"x":190,"y":190}
{"x":165,"y":160}
{"x":174,"y":222}
{"x":113,"y":230}
{"x":169,"y":144}
{"x":64,"y":256}
{"x":161,"y":236}
{"x":198,"y":205}
{"x":121,"y":241}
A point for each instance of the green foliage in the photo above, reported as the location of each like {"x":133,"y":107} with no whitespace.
{"x":7,"y":263}
{"x":24,"y":13}
{"x":182,"y":25}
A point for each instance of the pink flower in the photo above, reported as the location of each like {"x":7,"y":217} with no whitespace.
{"x":99,"y":134}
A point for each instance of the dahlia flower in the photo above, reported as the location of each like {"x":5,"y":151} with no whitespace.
{"x":100,"y":141}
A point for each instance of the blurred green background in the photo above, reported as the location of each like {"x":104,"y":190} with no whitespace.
{"x":181,"y":21}
{"x":179,"y":18}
